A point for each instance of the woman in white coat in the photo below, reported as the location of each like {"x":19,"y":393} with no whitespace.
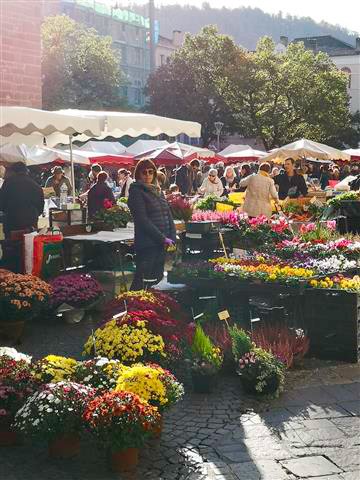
{"x":212,"y":184}
{"x":260,"y":189}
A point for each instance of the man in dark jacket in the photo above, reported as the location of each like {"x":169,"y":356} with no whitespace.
{"x":21,"y":200}
{"x":187,"y":177}
{"x":290,"y":183}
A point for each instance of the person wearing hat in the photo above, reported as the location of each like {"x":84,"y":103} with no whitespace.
{"x":212,"y":184}
{"x":57,"y":179}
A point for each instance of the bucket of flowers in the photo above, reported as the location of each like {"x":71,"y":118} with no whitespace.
{"x":55,"y":413}
{"x":206,"y":361}
{"x":17,"y":383}
{"x":73,"y":294}
{"x":113,"y":216}
{"x":22,"y":297}
{"x":121,"y":422}
{"x":154,"y":384}
{"x":261,"y":373}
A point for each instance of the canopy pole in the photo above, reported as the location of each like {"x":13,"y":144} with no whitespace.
{"x":72,"y":168}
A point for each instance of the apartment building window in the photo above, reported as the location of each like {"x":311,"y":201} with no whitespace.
{"x":347,"y":70}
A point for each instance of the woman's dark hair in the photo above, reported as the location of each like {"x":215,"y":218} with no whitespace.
{"x":247,"y":169}
{"x":102,"y":177}
{"x":290,"y":160}
{"x":265,"y":167}
{"x":18,"y":167}
{"x":96,"y":167}
{"x":143,"y":165}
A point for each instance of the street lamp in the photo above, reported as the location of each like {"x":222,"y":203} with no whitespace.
{"x":218,"y":128}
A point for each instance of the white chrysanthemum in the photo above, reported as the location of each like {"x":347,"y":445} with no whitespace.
{"x":13,"y":353}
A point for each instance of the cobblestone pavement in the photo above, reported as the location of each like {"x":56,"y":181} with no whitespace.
{"x":309,"y":432}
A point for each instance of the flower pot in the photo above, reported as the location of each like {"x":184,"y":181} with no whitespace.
{"x":125,"y":460}
{"x":8,"y":436}
{"x":12,"y":330}
{"x":64,"y":446}
{"x":203,"y":383}
{"x":272,"y":383}
{"x":158,"y":428}
{"x":74,"y":316}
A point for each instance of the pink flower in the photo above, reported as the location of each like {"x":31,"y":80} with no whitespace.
{"x":257,"y":221}
{"x":107,"y":203}
{"x":310,"y":227}
{"x":331,"y":224}
{"x":3,"y":412}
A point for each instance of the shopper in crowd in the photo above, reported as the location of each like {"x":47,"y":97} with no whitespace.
{"x":245,"y":171}
{"x":57,"y":180}
{"x":212,"y":184}
{"x":220,"y":167}
{"x":260,"y":188}
{"x":290,"y":183}
{"x":324,"y":176}
{"x":230,"y":181}
{"x":345,"y":172}
{"x":124,"y":182}
{"x":98,"y":194}
{"x":21,"y":200}
{"x":154,"y":225}
{"x":2,"y":175}
{"x":161,"y":178}
{"x":187,"y":177}
{"x":275,"y":172}
{"x":94,"y":172}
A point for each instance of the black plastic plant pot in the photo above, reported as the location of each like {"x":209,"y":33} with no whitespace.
{"x":204,"y":383}
{"x":272,"y":385}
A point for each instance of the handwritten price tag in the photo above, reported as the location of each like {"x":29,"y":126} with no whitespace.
{"x":224,"y":315}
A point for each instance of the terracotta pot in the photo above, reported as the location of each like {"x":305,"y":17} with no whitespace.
{"x":8,"y":436}
{"x":12,"y":330}
{"x":158,"y":428}
{"x":64,"y":446}
{"x":125,"y":460}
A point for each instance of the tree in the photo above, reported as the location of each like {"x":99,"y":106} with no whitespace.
{"x":80,"y":68}
{"x":283,"y":97}
{"x":187,"y":87}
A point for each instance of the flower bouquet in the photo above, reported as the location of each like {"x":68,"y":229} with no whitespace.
{"x":21,"y":297}
{"x":55,"y":413}
{"x":115,"y":216}
{"x":54,"y":369}
{"x":100,"y":373}
{"x":121,"y":422}
{"x":181,"y":208}
{"x":261,"y":372}
{"x":73,"y":293}
{"x":17,"y":383}
{"x":206,"y":361}
{"x":125,"y":342}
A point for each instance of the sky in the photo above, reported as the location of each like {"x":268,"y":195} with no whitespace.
{"x":345,"y":13}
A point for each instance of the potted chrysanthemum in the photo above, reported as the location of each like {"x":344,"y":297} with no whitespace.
{"x":121,"y":422}
{"x":55,"y":413}
{"x":73,"y":294}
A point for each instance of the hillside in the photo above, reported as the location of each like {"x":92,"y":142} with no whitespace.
{"x":245,"y":24}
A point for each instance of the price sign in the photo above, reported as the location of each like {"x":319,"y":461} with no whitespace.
{"x":224,"y":315}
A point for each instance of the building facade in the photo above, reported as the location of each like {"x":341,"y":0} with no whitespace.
{"x":129,"y":32}
{"x":20,"y":53}
{"x":165,"y":47}
{"x":345,"y":56}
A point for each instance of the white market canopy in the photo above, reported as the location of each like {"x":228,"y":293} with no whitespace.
{"x":30,"y":126}
{"x":353,"y":152}
{"x":33,"y":155}
{"x":306,"y":148}
{"x":249,"y":153}
{"x":233,"y":148}
{"x":111,"y":148}
{"x":145,"y":146}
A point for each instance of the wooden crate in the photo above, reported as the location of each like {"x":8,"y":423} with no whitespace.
{"x":332,"y":320}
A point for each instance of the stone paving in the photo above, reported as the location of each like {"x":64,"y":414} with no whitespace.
{"x":311,"y":432}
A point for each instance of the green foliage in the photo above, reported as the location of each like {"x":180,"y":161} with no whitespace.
{"x":186,"y":87}
{"x":343,"y":197}
{"x":283,"y":97}
{"x":208,"y":203}
{"x":203,"y":349}
{"x":80,"y":68}
{"x":241,"y":342}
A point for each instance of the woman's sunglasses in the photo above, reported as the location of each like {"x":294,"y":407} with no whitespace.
{"x":148,"y":172}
